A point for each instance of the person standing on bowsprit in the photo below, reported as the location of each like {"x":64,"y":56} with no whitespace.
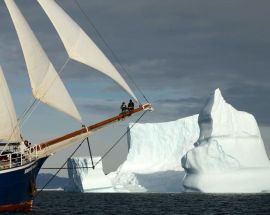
{"x":123,"y":107}
{"x":130,"y":105}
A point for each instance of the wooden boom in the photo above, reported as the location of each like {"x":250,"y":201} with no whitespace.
{"x":94,"y":127}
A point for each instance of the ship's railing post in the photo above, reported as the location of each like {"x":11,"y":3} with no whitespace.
{"x":29,"y":154}
{"x":9,"y":160}
{"x":36,"y":151}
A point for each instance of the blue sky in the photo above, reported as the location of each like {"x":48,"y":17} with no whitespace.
{"x":178,"y":52}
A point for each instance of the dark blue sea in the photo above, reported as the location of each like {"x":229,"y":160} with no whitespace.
{"x":174,"y":203}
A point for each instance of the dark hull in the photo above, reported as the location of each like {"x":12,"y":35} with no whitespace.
{"x":17,"y":186}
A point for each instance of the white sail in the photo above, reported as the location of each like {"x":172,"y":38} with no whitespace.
{"x":9,"y":131}
{"x":79,"y":46}
{"x":45,"y":81}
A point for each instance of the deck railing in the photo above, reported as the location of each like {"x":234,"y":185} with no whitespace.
{"x":16,"y":158}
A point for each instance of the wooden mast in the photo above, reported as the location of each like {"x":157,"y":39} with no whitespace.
{"x":94,"y":127}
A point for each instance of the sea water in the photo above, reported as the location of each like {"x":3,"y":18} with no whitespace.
{"x":149,"y":203}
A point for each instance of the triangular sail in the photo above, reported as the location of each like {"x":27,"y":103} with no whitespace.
{"x":45,"y":81}
{"x":9,"y":130}
{"x":79,"y":46}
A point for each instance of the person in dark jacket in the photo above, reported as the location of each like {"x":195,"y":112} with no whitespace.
{"x":123,"y":107}
{"x":130,"y":105}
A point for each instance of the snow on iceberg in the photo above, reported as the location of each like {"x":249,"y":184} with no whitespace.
{"x":229,"y":155}
{"x":85,"y":179}
{"x":155,"y":149}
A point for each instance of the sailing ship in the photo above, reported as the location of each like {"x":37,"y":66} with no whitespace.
{"x":19,"y":165}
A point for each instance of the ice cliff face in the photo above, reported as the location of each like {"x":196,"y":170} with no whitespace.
{"x":85,"y":179}
{"x":155,"y":150}
{"x":229,"y":155}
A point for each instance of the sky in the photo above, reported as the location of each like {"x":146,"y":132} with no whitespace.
{"x":177,"y":52}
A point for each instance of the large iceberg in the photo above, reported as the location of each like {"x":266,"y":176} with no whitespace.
{"x":229,"y":155}
{"x":155,"y":149}
{"x":152,"y":163}
{"x":83,"y":178}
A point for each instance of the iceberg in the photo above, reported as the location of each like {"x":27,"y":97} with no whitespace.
{"x":229,"y":155}
{"x":82,"y":178}
{"x":153,"y":160}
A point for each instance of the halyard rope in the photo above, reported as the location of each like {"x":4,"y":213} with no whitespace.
{"x":110,"y":49}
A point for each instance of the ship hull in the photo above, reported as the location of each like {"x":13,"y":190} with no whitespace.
{"x":17,"y":186}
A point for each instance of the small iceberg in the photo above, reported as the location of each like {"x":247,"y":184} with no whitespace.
{"x":83,"y":178}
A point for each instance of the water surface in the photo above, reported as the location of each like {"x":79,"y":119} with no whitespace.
{"x":147,"y":203}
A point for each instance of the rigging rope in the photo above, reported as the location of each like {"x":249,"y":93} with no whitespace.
{"x":82,"y":167}
{"x":93,"y":167}
{"x":116,"y":143}
{"x":90,"y":152}
{"x":59,"y":169}
{"x":110,"y":49}
{"x":26,"y":110}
